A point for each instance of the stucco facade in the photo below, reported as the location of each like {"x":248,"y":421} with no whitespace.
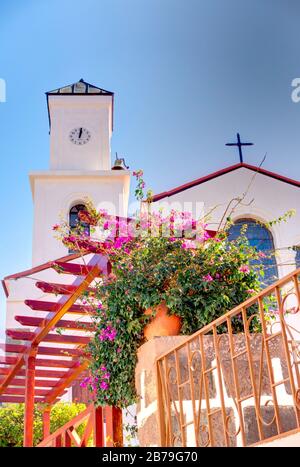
{"x":266,"y":199}
{"x":56,"y":192}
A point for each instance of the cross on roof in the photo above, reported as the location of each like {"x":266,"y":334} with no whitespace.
{"x":239,"y":144}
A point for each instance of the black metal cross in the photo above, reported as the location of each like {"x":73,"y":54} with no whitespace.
{"x":239,"y":144}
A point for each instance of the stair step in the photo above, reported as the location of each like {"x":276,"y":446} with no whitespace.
{"x":67,"y":324}
{"x":59,"y":289}
{"x":41,"y":305}
{"x":72,"y":268}
{"x":59,"y":338}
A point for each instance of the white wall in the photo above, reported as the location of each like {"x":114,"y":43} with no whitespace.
{"x":91,"y":112}
{"x":54,"y":193}
{"x":271,"y":199}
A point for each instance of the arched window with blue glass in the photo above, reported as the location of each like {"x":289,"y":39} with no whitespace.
{"x":260,"y":238}
{"x":297,"y":259}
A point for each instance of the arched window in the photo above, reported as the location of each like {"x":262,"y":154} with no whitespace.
{"x":260,"y":238}
{"x":298,"y":257}
{"x":75,"y":222}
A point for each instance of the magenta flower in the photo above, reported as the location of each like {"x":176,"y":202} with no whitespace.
{"x":86,"y":381}
{"x":206,"y":235}
{"x":245,"y":269}
{"x":138,"y":173}
{"x":104,"y":385}
{"x":107,"y":334}
{"x":207,"y":278}
{"x":188,"y":244}
{"x":103,"y":212}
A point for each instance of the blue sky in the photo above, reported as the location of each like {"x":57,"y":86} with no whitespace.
{"x":187,"y":75}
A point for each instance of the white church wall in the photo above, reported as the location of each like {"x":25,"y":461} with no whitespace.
{"x":55,"y":193}
{"x":271,"y":199}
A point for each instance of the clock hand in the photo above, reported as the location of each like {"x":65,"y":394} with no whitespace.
{"x":80,"y":133}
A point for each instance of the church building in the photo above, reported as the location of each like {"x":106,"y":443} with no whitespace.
{"x":248,"y":195}
{"x":81,"y":125}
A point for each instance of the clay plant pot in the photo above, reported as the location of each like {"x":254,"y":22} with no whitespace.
{"x":161,"y":324}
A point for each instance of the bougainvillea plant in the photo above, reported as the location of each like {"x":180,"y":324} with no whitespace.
{"x":199,"y":274}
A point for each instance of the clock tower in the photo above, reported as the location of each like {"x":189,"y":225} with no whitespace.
{"x":81,"y":125}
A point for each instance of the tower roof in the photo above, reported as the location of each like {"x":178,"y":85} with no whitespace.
{"x":81,"y":87}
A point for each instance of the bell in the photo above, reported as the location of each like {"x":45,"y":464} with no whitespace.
{"x":119,"y":164}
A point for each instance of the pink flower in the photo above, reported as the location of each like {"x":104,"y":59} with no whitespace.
{"x":261,"y":254}
{"x":245,"y":269}
{"x":188,"y":244}
{"x":120,"y":241}
{"x":104,"y":385}
{"x":206,"y":235}
{"x":207,"y":278}
{"x":138,"y":173}
{"x":88,"y":380}
{"x":107,"y":334}
{"x":250,"y":291}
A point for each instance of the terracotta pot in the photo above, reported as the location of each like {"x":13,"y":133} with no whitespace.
{"x":162,"y":324}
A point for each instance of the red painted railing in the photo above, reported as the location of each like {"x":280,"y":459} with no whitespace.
{"x":103,"y":428}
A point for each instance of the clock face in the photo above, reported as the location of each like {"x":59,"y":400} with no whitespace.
{"x":80,"y":136}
